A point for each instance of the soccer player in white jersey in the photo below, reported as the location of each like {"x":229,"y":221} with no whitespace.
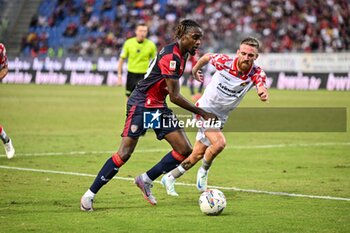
{"x":233,"y":78}
{"x":10,"y":151}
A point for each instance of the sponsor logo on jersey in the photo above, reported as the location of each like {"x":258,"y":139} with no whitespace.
{"x":225,"y":77}
{"x":235,"y":92}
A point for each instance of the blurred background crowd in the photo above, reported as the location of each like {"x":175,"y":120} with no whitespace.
{"x":100,"y":27}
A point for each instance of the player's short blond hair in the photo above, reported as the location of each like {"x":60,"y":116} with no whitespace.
{"x":251,"y":41}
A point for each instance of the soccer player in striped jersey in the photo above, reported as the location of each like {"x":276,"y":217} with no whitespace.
{"x":148,"y":98}
{"x":9,"y":149}
{"x":233,"y":78}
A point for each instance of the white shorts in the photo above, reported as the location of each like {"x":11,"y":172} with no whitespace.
{"x":201,"y":130}
{"x":202,"y":138}
{"x":222,"y":117}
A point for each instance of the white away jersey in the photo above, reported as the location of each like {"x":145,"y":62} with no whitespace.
{"x":3,"y":57}
{"x":227,"y":86}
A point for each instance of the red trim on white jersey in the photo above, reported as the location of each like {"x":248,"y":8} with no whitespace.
{"x":220,"y":61}
{"x":3,"y":56}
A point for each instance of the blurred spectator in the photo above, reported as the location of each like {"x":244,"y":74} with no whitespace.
{"x":107,"y":5}
{"x":71,"y":30}
{"x":34,"y":21}
{"x":282,"y":26}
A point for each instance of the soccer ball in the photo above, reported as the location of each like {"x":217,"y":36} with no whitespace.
{"x":212,"y":202}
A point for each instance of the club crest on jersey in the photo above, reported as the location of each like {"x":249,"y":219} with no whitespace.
{"x":172,"y":65}
{"x":133,"y":128}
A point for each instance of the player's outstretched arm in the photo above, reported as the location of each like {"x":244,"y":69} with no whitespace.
{"x":263,"y":93}
{"x":259,"y":80}
{"x":176,"y":98}
{"x":196,"y":70}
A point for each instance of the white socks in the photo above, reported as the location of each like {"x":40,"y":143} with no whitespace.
{"x":146,"y":178}
{"x":89,"y":194}
{"x":177,"y":172}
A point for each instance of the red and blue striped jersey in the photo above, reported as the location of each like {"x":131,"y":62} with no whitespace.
{"x":152,"y":90}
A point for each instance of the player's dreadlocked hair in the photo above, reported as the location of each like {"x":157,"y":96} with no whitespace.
{"x":251,"y":41}
{"x":184,"y":26}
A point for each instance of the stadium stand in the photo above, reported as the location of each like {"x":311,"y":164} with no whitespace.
{"x":99,"y":27}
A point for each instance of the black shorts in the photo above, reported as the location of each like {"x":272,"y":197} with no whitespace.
{"x":139,"y":119}
{"x":131,"y":81}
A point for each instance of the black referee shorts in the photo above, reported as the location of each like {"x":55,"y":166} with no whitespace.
{"x":131,"y":82}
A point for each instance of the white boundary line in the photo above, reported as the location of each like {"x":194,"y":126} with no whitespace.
{"x":167,"y":149}
{"x":183,"y":184}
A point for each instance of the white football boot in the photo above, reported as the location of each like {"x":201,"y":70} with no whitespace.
{"x":9,"y":149}
{"x":169,"y":184}
{"x":86,"y":203}
{"x":202,"y":179}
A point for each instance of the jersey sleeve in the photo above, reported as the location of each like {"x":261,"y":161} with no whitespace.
{"x":169,"y":66}
{"x":259,"y":78}
{"x":125,"y":50}
{"x":219,"y":60}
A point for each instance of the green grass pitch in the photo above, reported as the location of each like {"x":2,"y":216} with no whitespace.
{"x":74,"y":129}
